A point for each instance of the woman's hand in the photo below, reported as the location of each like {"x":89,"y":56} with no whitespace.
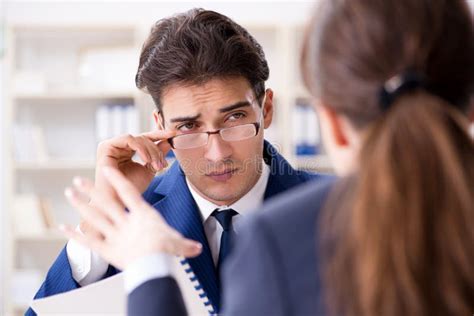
{"x":123,"y":236}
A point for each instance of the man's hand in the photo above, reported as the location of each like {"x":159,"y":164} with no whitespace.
{"x":125,"y":236}
{"x":117,"y":153}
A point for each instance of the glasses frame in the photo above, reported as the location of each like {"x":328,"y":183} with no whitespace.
{"x":219,"y":131}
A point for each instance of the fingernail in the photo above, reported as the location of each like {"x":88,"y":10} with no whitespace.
{"x":157,"y":165}
{"x":77,"y":181}
{"x":69,"y":193}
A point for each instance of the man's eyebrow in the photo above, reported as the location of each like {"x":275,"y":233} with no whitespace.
{"x":185,"y":118}
{"x":227,"y":108}
{"x":234,"y":106}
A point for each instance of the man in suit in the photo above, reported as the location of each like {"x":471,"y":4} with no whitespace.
{"x":207,"y":76}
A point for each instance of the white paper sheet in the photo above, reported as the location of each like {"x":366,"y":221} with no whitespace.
{"x":107,"y":297}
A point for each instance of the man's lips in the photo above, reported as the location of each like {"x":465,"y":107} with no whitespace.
{"x":220,"y":173}
{"x":222,"y":176}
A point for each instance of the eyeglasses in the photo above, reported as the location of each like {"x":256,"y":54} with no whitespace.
{"x":229,"y":134}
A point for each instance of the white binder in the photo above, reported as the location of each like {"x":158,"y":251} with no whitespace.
{"x":107,"y":297}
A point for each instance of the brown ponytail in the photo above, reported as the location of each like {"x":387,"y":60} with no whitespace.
{"x":398,"y":236}
{"x":409,"y":243}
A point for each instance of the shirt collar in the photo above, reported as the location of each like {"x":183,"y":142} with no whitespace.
{"x":245,"y":205}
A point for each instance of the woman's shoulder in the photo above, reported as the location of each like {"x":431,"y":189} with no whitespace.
{"x":290,"y":215}
{"x":298,"y":204}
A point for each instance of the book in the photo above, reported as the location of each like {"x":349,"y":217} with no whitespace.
{"x":116,"y":120}
{"x":306,"y":130}
{"x":108,"y":297}
{"x":103,"y":124}
{"x":47,"y":214}
{"x":27,"y":215}
{"x":131,"y":120}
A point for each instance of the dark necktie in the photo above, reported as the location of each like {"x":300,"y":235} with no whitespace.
{"x":224,"y":218}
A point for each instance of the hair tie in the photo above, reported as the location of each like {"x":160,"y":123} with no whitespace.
{"x":397,"y":86}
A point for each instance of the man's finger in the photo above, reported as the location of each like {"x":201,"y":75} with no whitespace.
{"x":161,"y":145}
{"x":156,"y":155}
{"x":158,"y":135}
{"x":140,"y":148}
{"x":164,"y":147}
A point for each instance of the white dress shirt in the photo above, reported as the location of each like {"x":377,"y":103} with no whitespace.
{"x":247,"y":204}
{"x":88,"y":267}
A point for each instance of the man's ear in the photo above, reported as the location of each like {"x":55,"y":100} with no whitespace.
{"x":160,"y":124}
{"x":335,"y":124}
{"x":268,"y":108}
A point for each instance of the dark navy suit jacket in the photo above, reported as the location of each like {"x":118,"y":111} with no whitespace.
{"x":273,"y":270}
{"x":170,"y":195}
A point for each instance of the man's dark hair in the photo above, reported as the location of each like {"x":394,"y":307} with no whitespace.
{"x":196,"y":46}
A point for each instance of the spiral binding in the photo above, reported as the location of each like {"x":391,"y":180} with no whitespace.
{"x":197,"y":285}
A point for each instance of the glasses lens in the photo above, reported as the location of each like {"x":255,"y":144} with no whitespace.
{"x":189,"y":141}
{"x":241,"y":132}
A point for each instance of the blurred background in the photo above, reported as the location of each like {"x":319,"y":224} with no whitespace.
{"x":67,"y":78}
{"x":67,"y":73}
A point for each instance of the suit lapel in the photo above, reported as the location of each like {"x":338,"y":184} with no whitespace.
{"x":282,"y":175}
{"x":180,"y":211}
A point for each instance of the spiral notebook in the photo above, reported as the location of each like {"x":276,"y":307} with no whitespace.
{"x":107,"y":297}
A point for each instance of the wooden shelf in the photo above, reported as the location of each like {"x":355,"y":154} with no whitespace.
{"x":50,"y":96}
{"x":59,"y":165}
{"x":63,"y":165}
{"x":50,"y":236}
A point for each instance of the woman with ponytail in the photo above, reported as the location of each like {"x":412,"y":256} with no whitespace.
{"x":393,"y":84}
{"x":397,"y":235}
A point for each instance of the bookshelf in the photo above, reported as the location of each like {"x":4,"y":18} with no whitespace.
{"x":54,"y":88}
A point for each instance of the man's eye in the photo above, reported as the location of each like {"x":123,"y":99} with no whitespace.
{"x":187,"y":127}
{"x":237,"y":116}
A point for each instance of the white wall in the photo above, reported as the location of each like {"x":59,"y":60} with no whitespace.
{"x":104,"y":12}
{"x":2,"y":209}
{"x":147,"y":12}
{"x":2,"y":212}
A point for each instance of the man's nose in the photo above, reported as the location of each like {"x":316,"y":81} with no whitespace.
{"x":217,"y":149}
